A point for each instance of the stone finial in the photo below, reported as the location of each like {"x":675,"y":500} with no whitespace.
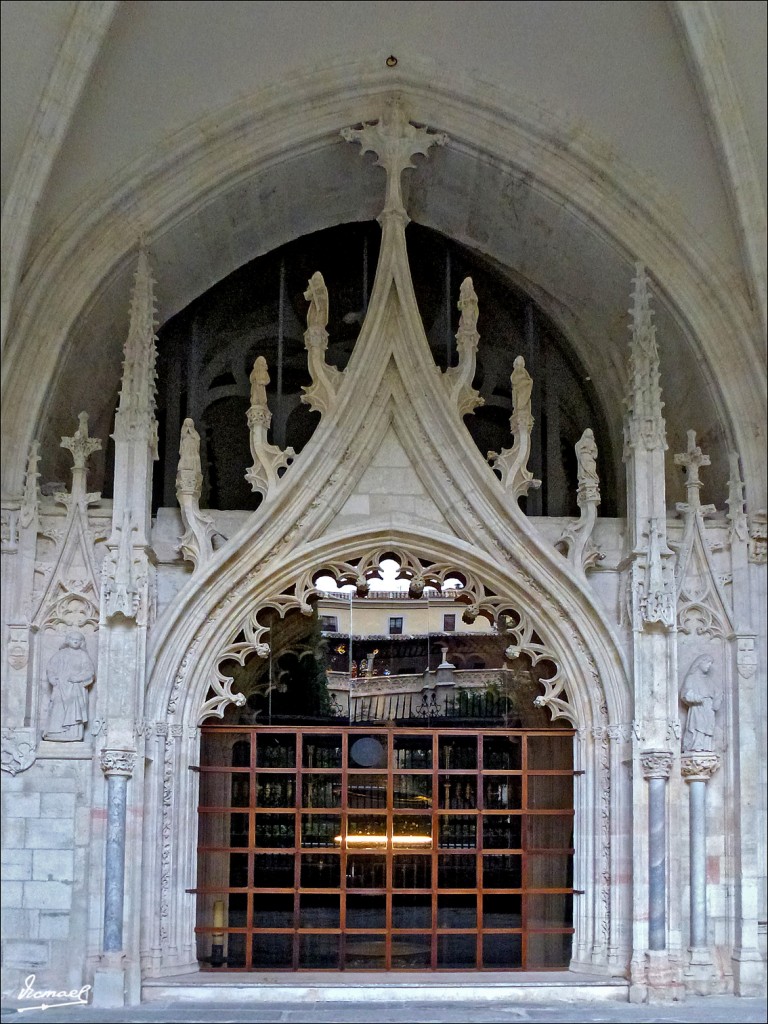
{"x":644,"y":424}
{"x":692,"y":459}
{"x":120,"y":589}
{"x":136,"y":408}
{"x":29,"y":501}
{"x":576,"y":539}
{"x":268,"y":459}
{"x":512,"y":463}
{"x":321,"y":393}
{"x":197,"y":543}
{"x":736,"y":516}
{"x":459,"y":378}
{"x":395,"y":141}
{"x":82,"y":446}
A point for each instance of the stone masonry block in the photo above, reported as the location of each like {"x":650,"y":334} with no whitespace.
{"x":57,"y":805}
{"x":54,"y":925}
{"x":11,"y":894}
{"x":48,"y":895}
{"x":18,"y":924}
{"x":21,"y":805}
{"x":16,"y":865}
{"x":26,"y":954}
{"x":14,"y":832}
{"x":53,"y":865}
{"x":50,"y":834}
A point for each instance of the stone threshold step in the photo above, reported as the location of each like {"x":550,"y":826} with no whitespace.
{"x":383,"y":988}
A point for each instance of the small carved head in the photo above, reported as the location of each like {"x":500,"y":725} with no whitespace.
{"x":73,"y":639}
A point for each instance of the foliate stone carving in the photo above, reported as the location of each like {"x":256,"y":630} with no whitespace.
{"x":82,"y":446}
{"x":17,"y":750}
{"x":395,"y":142}
{"x":459,"y":378}
{"x":197,"y":542}
{"x":736,"y":516}
{"x":320,"y":396}
{"x":656,"y":764}
{"x":121,"y":590}
{"x":644,"y":425}
{"x":29,"y":502}
{"x":118,"y":762}
{"x":746,"y":656}
{"x":71,"y":603}
{"x":512,"y":463}
{"x":758,"y":537}
{"x":653,"y":597}
{"x":268,"y":459}
{"x":576,"y":539}
{"x":69,"y":673}
{"x":699,"y":767}
{"x":703,"y":700}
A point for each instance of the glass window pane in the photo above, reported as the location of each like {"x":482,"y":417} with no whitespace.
{"x":502,"y":832}
{"x":549,"y":871}
{"x":458,"y":951}
{"x":322,"y":752}
{"x":411,"y":872}
{"x":411,"y":830}
{"x":271,"y":951}
{"x":366,"y":911}
{"x":411,"y":911}
{"x":275,"y":751}
{"x":458,"y":831}
{"x":225,"y":749}
{"x":367,"y":751}
{"x":273,"y":870}
{"x":366,"y":832}
{"x":549,"y":831}
{"x":412,"y":791}
{"x":321,"y":791}
{"x":413,"y":752}
{"x":222,"y":870}
{"x":457,"y":752}
{"x":321,"y":830}
{"x":554,"y":910}
{"x":456,"y":911}
{"x":366,"y":871}
{"x":410,"y":952}
{"x":502,"y":752}
{"x":364,"y":791}
{"x":549,"y":792}
{"x":502,"y":872}
{"x":502,"y":911}
{"x":274,"y":830}
{"x":275,"y":791}
{"x":551,"y":949}
{"x":273,"y":910}
{"x":457,"y":792}
{"x":318,"y":951}
{"x":319,"y":911}
{"x":503,"y":792}
{"x":320,"y":871}
{"x":365,"y":952}
{"x":550,"y":752}
{"x":235,"y":907}
{"x":503,"y":951}
{"x":458,"y":872}
{"x":224,"y":789}
{"x":234,"y":950}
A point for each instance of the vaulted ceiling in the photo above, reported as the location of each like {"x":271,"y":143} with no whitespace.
{"x":582,"y":136}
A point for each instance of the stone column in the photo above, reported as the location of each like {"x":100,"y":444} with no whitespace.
{"x":697,"y":769}
{"x":656,"y":765}
{"x":109,"y":978}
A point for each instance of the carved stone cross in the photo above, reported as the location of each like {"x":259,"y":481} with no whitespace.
{"x":692,"y":460}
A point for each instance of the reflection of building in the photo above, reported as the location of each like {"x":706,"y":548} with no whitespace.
{"x":393,"y":310}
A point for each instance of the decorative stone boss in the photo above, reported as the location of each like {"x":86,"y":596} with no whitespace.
{"x":70,"y":672}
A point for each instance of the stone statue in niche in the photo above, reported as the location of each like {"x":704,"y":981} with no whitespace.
{"x":703,"y":701}
{"x":317,"y":296}
{"x":586,"y":456}
{"x":70,"y":673}
{"x":189,"y":453}
{"x":522,"y":385}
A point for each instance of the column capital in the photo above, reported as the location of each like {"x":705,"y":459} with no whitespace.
{"x":118,"y":762}
{"x":699,"y":766}
{"x":656,"y":764}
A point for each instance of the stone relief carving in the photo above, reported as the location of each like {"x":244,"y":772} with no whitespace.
{"x":737,"y":517}
{"x":512,"y":463}
{"x":656,"y":764}
{"x":69,"y":673}
{"x":320,"y":395}
{"x":703,"y":700}
{"x":746,"y":656}
{"x":118,"y":762}
{"x":268,"y":459}
{"x":9,"y":530}
{"x":758,"y":537}
{"x":653,"y":587}
{"x":121,"y":591}
{"x":459,"y":378}
{"x":197,"y":543}
{"x":576,"y":539}
{"x":30,"y":499}
{"x":17,"y":750}
{"x":699,"y":767}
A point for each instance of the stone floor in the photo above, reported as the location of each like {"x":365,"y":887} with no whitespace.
{"x":710,"y":1010}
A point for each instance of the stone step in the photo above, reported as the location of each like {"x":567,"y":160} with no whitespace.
{"x":360,"y":986}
